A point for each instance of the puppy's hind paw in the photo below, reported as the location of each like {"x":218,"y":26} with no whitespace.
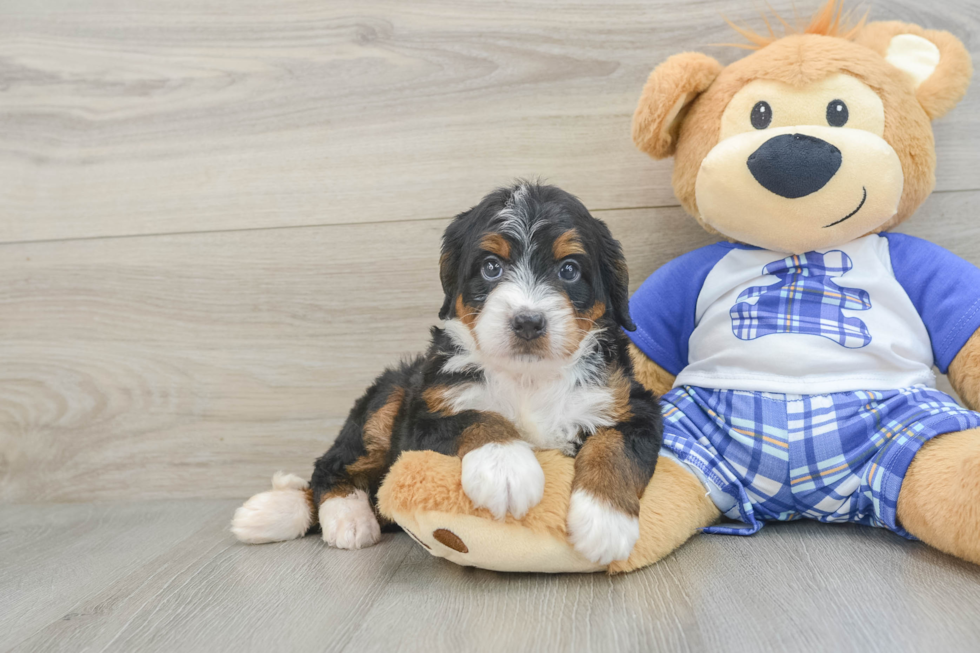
{"x":284,"y":513}
{"x":349,"y":522}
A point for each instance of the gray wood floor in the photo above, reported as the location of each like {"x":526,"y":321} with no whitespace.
{"x":167,"y":576}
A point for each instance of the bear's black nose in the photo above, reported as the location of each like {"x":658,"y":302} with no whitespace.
{"x":794,"y":165}
{"x":528,"y":325}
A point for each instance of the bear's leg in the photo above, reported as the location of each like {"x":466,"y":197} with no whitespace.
{"x":939,"y":501}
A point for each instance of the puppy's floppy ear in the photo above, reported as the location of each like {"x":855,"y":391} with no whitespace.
{"x":448,"y":270}
{"x":937,"y":64}
{"x":668,"y":94}
{"x":615,"y":277}
{"x":453,"y":243}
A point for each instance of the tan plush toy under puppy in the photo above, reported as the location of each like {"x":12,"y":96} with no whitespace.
{"x":796,"y":358}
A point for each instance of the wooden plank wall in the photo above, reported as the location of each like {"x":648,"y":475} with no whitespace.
{"x":220,"y":219}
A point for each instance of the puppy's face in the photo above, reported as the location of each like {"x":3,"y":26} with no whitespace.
{"x":531,"y":274}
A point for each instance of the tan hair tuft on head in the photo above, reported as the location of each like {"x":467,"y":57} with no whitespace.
{"x":830,"y":20}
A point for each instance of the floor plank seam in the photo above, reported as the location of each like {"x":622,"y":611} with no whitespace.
{"x":324,"y":225}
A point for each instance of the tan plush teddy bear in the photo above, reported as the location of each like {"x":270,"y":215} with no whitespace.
{"x":795,"y":358}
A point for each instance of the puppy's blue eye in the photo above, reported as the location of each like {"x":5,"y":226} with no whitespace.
{"x":491,"y":269}
{"x":569,"y":271}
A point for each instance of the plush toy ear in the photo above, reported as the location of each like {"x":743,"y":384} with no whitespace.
{"x":668,"y":93}
{"x":937,"y":64}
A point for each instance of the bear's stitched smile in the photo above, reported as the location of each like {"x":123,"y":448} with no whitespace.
{"x":851,"y":214}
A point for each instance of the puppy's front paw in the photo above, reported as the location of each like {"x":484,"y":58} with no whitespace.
{"x":349,"y":522}
{"x":599,"y":531}
{"x":503,"y":477}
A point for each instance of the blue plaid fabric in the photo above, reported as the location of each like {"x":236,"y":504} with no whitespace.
{"x":805,"y":301}
{"x":834,"y":458}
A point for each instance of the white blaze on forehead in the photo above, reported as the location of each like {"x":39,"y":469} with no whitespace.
{"x":515,"y":219}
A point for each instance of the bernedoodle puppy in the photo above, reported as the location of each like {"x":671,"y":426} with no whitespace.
{"x":531,"y":356}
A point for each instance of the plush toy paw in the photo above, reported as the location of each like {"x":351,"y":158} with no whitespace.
{"x":503,"y":477}
{"x":599,"y":531}
{"x":349,"y":522}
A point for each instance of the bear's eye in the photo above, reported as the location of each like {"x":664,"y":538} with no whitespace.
{"x":837,"y":113}
{"x":761,"y":115}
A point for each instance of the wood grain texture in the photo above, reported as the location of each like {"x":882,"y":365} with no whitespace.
{"x":57,"y":559}
{"x":196,"y":365}
{"x":191,"y":587}
{"x":147,"y":117}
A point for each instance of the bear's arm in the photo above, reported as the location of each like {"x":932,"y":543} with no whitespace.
{"x":664,"y":309}
{"x":964,"y":372}
{"x":945,"y":291}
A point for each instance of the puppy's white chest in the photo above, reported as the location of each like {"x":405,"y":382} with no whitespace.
{"x":548,"y":414}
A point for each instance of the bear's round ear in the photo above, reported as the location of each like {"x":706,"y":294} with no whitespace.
{"x":671,"y":88}
{"x":936,"y":63}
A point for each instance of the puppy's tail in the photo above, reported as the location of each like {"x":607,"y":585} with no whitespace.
{"x":284,"y":513}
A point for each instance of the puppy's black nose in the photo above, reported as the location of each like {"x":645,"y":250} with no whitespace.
{"x":794,"y":165}
{"x":528,"y":325}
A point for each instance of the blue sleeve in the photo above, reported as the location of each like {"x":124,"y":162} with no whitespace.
{"x":944,"y":289}
{"x":664,"y":307}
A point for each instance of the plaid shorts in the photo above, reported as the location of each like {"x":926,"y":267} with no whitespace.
{"x":834,"y":458}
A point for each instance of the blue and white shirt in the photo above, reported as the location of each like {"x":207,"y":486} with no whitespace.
{"x":874,"y":314}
